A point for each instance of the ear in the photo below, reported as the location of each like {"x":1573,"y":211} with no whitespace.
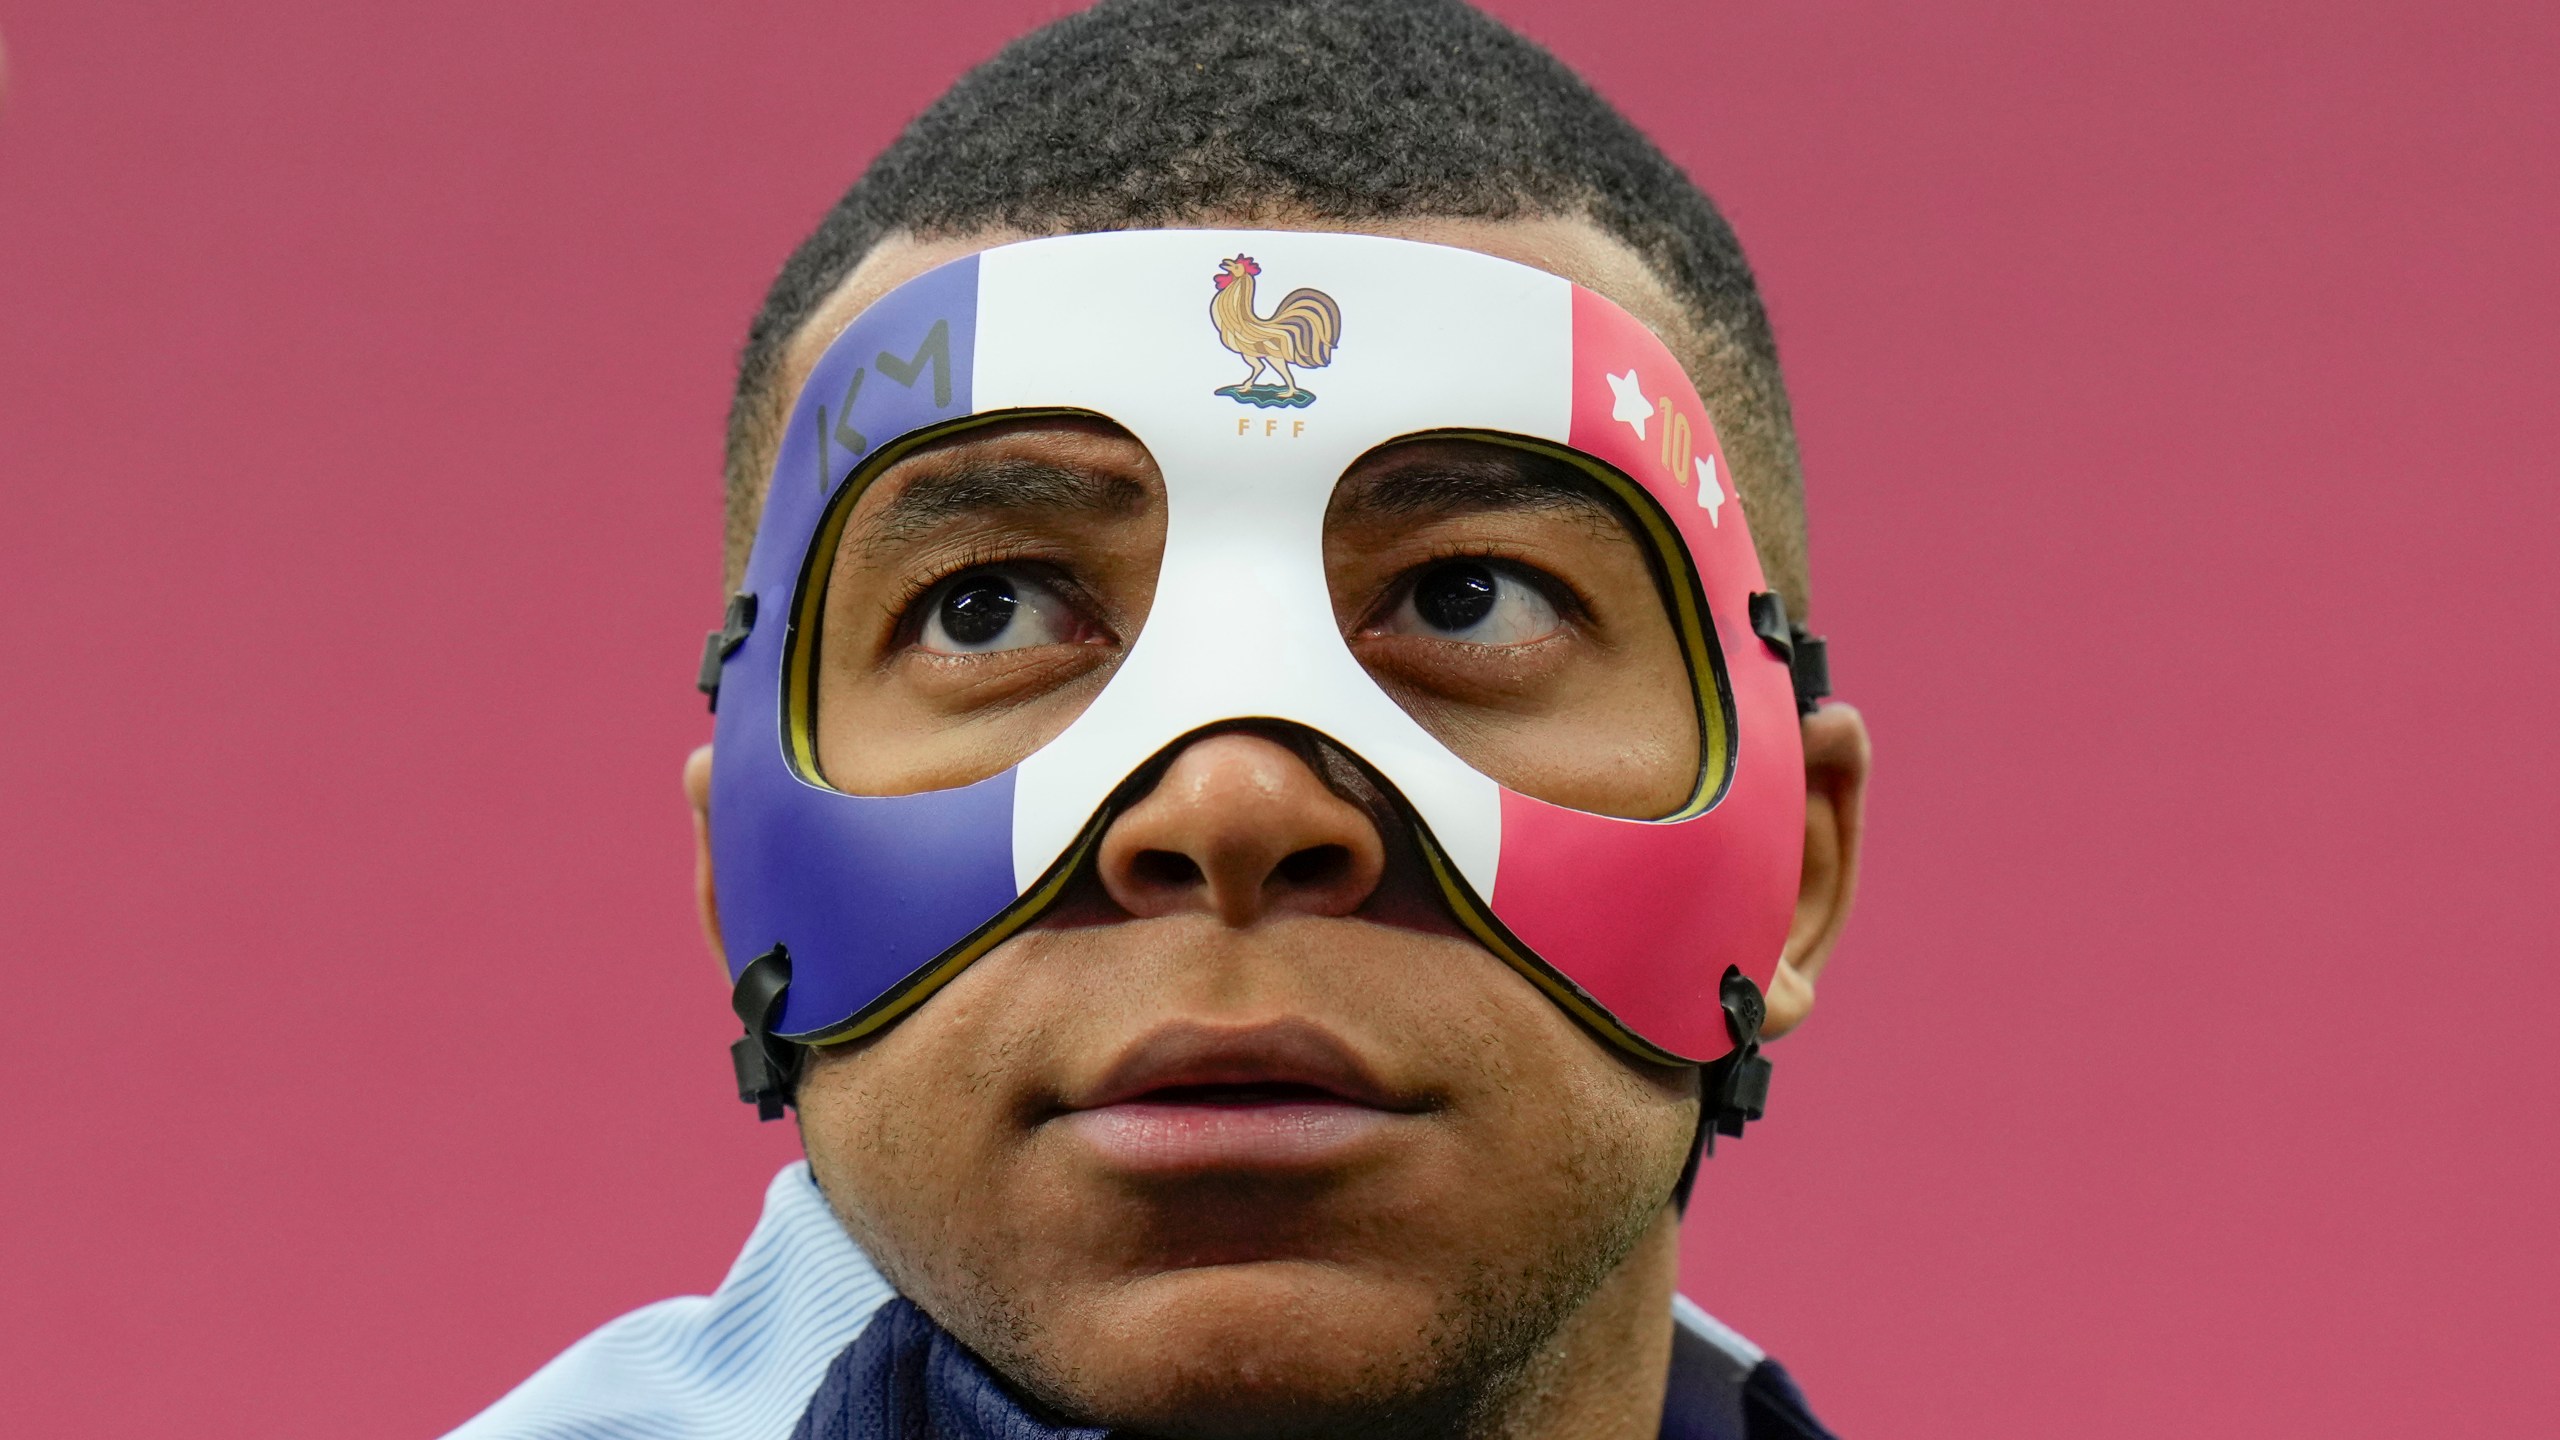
{"x":1836,"y":761}
{"x":697,"y":794}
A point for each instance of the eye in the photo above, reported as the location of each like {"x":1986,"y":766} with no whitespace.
{"x":1474,"y":602}
{"x":995,"y":608}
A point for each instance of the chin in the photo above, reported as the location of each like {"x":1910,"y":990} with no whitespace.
{"x":1260,"y":1349}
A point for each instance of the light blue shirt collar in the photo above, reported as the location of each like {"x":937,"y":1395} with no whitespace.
{"x":737,"y":1364}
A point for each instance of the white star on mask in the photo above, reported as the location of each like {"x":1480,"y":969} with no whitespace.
{"x":1709,"y":493}
{"x":1630,"y":406}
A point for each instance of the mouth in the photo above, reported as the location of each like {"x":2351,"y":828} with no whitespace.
{"x":1190,"y":1099}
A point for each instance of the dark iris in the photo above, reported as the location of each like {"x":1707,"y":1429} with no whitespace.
{"x":1454,"y":597}
{"x":976,"y":609}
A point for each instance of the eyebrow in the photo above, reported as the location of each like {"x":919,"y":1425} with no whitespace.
{"x":978,"y":487}
{"x":1482,"y":479}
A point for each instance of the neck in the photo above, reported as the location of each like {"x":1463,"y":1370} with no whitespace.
{"x":1603,"y":1375}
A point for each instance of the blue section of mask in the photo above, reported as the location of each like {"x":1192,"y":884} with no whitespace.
{"x":863,"y":891}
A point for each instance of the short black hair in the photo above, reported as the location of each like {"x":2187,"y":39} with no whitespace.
{"x":1143,"y":113}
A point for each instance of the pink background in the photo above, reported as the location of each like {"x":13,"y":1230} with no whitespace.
{"x":2175,"y":387}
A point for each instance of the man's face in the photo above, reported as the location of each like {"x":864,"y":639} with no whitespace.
{"x":1246,"y":1135}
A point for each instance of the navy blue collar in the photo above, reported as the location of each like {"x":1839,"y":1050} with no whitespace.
{"x":907,"y":1379}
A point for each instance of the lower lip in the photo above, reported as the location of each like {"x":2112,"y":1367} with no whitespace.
{"x":1163,"y":1139}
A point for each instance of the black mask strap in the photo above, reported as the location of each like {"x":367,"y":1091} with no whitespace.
{"x":1734,"y":1090}
{"x":768,"y":1066}
{"x":722,"y":643}
{"x":1808,"y":655}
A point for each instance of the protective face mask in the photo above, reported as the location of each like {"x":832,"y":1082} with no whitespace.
{"x":1326,"y":413}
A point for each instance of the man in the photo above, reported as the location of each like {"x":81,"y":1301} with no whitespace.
{"x":1168,"y":1059}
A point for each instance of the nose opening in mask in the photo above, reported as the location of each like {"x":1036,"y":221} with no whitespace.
{"x":967,"y":593}
{"x":1535,"y":611}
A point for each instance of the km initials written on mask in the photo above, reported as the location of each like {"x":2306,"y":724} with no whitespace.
{"x":933,"y":354}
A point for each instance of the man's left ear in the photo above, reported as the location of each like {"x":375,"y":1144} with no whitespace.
{"x":697,"y":794}
{"x":1836,"y":761}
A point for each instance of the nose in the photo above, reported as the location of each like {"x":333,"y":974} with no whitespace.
{"x":1241,"y":827}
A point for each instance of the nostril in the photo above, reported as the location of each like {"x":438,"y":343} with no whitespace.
{"x":1165,"y":870}
{"x":1315,"y":867}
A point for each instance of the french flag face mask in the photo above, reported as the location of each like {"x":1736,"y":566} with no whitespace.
{"x":1378,"y":468}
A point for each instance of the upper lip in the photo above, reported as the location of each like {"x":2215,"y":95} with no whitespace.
{"x":1286,"y":1052}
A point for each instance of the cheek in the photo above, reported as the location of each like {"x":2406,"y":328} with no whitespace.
{"x":926,"y":1142}
{"x":904,"y":1132}
{"x":1569,"y":1125}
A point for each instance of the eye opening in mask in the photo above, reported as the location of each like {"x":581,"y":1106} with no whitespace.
{"x":1677,"y":589}
{"x":803,"y":668}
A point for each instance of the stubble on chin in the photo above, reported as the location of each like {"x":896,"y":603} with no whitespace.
{"x":1486,"y":1362}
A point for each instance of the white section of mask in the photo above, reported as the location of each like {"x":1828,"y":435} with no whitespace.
{"x":1242,"y":626}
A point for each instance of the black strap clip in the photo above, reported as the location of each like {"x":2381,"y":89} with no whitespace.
{"x":1808,"y":656}
{"x":1734,"y":1091}
{"x":720,"y":644}
{"x":1741,"y":1081}
{"x":768,"y":1066}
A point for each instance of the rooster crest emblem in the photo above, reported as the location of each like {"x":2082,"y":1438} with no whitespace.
{"x":1301,"y":332}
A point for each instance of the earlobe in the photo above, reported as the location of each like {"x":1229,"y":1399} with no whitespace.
{"x":697,"y":794}
{"x":1837,"y":758}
